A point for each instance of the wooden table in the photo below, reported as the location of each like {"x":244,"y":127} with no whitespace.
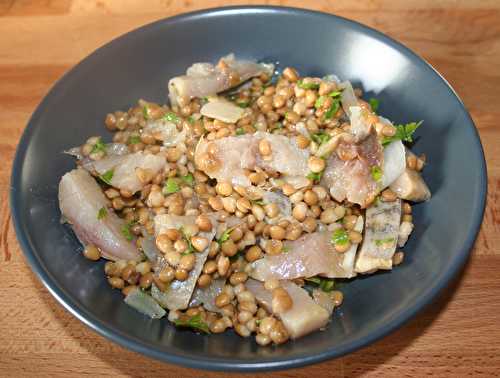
{"x":457,"y":336}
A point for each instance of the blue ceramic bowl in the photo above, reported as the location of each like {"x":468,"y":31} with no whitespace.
{"x":139,"y":64}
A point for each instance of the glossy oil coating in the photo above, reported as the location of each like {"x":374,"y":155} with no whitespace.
{"x":139,"y":65}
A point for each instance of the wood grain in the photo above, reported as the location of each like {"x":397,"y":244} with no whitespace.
{"x":457,"y":336}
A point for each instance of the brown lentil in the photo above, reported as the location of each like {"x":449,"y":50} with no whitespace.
{"x":91,"y":252}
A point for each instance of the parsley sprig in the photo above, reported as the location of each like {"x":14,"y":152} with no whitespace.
{"x":101,"y":214}
{"x":340,"y":237}
{"x":403,"y":133}
{"x":99,"y":146}
{"x":320,"y":137}
{"x":374,"y":104}
{"x":193,"y":322}
{"x":325,"y":284}
{"x":107,"y":176}
{"x":376,"y":173}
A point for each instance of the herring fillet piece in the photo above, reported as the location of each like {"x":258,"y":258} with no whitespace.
{"x":165,"y":131}
{"x":205,"y":79}
{"x":80,"y":199}
{"x":352,"y":179}
{"x":124,"y":166}
{"x":411,"y":186}
{"x":305,"y":315}
{"x":207,"y":295}
{"x":381,"y":236}
{"x":310,"y":255}
{"x":179,"y":293}
{"x":238,"y":153}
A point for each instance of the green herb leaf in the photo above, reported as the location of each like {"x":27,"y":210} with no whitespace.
{"x":319,"y":102}
{"x":225,"y":236}
{"x":381,"y":242}
{"x":277,"y":125}
{"x":320,"y":138}
{"x":126,"y":231}
{"x":285,"y":249}
{"x":171,"y":186}
{"x":107,"y":176}
{"x":315,"y":280}
{"x":145,"y":112}
{"x":235,"y":257}
{"x":374,"y":104}
{"x":240,"y":131}
{"x":204,"y":100}
{"x":258,"y":202}
{"x":101,"y":214}
{"x":327,"y":285}
{"x":134,"y":139}
{"x":335,"y":94}
{"x":188,"y":179}
{"x":403,"y":133}
{"x":191,"y":119}
{"x":98,"y":147}
{"x":376,"y":172}
{"x":243,"y":104}
{"x":194,"y":322}
{"x":316,"y":177}
{"x":340,"y":236}
{"x":334,"y":108}
{"x":171,"y":117}
{"x":187,"y":238}
{"x":309,"y":85}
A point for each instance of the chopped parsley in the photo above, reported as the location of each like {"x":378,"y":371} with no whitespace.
{"x":334,"y":108}
{"x":320,"y":138}
{"x":277,"y":125}
{"x":340,"y":236}
{"x":171,"y":186}
{"x":325,"y":284}
{"x":319,"y":102}
{"x":315,"y":280}
{"x":171,"y":117}
{"x":134,"y":139}
{"x":374,"y":104}
{"x":191,"y":119}
{"x":403,"y":133}
{"x":243,"y":104}
{"x":101,"y":214}
{"x":240,"y":131}
{"x":258,"y":202}
{"x":309,"y":85}
{"x":107,"y":176}
{"x":225,"y":236}
{"x":381,"y":242}
{"x":188,"y":179}
{"x":285,"y":249}
{"x":126,"y":231}
{"x":187,"y":239}
{"x":376,"y":173}
{"x":194,"y":322}
{"x":145,"y":112}
{"x":315,"y":176}
{"x":335,"y":94}
{"x":99,"y":146}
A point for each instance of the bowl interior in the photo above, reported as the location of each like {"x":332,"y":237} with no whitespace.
{"x":139,"y":64}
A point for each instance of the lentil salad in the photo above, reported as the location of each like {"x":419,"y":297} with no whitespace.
{"x":241,"y":209}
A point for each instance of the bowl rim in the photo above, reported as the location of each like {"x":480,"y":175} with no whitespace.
{"x":226,"y":364}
